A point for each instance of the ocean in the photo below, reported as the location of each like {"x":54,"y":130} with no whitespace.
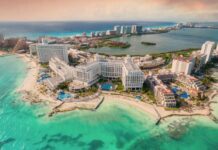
{"x":32,"y":30}
{"x":172,"y":41}
{"x":113,"y":126}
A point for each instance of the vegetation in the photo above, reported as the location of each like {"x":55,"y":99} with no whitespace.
{"x":44,"y":65}
{"x":119,"y":84}
{"x":87,"y":92}
{"x":63,"y":86}
{"x":148,"y":43}
{"x":208,"y":79}
{"x":171,"y":108}
{"x":111,"y":44}
{"x":146,"y":90}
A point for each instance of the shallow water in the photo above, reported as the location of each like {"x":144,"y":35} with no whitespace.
{"x":112,"y":126}
{"x":172,"y":41}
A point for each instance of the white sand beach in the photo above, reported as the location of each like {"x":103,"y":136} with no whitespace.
{"x":2,"y":53}
{"x":154,"y":111}
{"x":29,"y":89}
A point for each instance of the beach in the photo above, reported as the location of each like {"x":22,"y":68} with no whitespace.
{"x":30,"y":92}
{"x":155,"y":112}
{"x":2,"y":53}
{"x":29,"y":88}
{"x":119,"y":123}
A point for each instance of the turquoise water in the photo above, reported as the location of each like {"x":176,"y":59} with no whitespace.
{"x":32,"y":30}
{"x":113,"y":126}
{"x":172,"y":41}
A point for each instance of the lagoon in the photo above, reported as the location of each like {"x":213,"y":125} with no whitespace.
{"x":166,"y":42}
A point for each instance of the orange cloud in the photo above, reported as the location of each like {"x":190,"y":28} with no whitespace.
{"x":34,"y":10}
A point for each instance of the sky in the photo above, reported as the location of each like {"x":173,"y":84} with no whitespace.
{"x":108,"y":10}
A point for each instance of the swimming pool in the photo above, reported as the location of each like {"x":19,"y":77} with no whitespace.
{"x":62,"y":95}
{"x":106,"y":87}
{"x":176,"y":90}
{"x":184,"y":95}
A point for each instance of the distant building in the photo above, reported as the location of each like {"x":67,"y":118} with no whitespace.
{"x":136,"y":29}
{"x":125,"y":30}
{"x":2,"y":37}
{"x":217,"y":48}
{"x":179,"y":25}
{"x":117,"y":29}
{"x":207,"y":49}
{"x":84,"y":34}
{"x":183,"y":65}
{"x":111,"y":32}
{"x":92,"y":34}
{"x":47,"y":51}
{"x":103,"y":33}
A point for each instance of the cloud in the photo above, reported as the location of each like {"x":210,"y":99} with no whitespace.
{"x":28,"y":10}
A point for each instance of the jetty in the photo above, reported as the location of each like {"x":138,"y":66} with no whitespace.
{"x":92,"y":105}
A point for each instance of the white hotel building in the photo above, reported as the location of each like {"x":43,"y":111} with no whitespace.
{"x":130,"y":74}
{"x":207,"y":49}
{"x":47,"y":51}
{"x":61,"y":69}
{"x":182,"y":65}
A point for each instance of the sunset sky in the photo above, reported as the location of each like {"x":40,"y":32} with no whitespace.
{"x":103,"y":10}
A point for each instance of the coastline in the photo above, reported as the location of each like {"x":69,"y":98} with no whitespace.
{"x":29,"y":89}
{"x":30,"y":93}
{"x":156,"y":112}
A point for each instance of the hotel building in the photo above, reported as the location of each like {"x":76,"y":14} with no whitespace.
{"x":183,"y":65}
{"x":88,"y":74}
{"x":135,"y":29}
{"x":125,"y":30}
{"x":111,"y":32}
{"x":61,"y":68}
{"x":32,"y":48}
{"x":194,"y":85}
{"x":207,"y":49}
{"x":165,"y":95}
{"x":117,"y":29}
{"x":47,"y":51}
{"x":161,"y":92}
{"x":130,"y":74}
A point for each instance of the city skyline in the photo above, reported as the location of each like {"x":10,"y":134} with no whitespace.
{"x":109,"y":10}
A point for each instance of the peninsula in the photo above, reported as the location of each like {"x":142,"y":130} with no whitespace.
{"x":75,"y":79}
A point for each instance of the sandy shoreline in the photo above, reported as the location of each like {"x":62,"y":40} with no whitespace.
{"x":154,"y":111}
{"x":29,"y":88}
{"x":2,"y":53}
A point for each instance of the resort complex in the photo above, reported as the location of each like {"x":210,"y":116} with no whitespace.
{"x":88,"y":74}
{"x":81,"y":72}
